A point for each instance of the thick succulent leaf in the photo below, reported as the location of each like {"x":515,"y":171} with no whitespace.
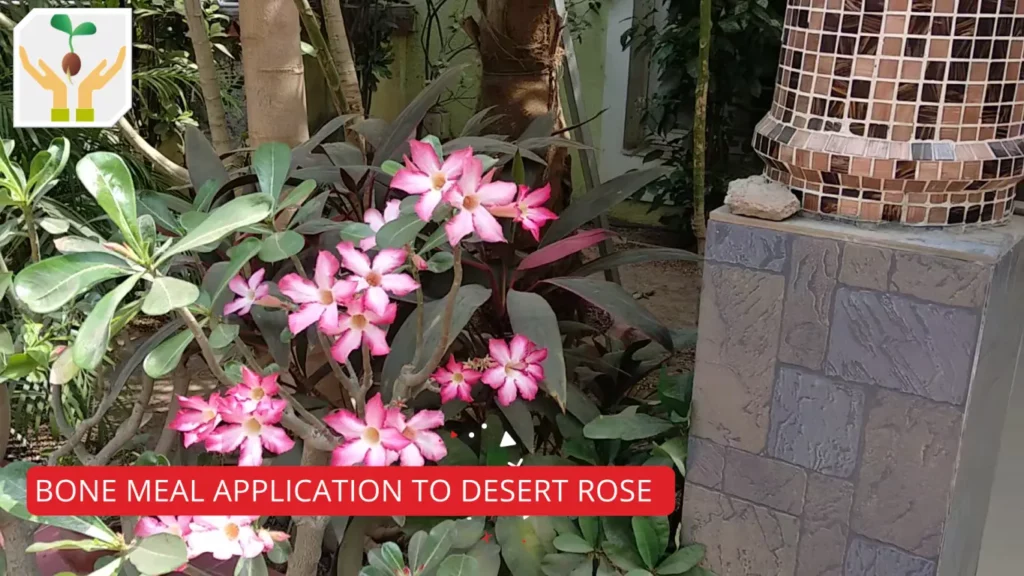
{"x":46,"y":286}
{"x":214,"y":285}
{"x":601,"y":199}
{"x":488,"y":558}
{"x":532,"y":316}
{"x":483,"y":145}
{"x":459,"y":565}
{"x":613,"y":299}
{"x":168,"y":293}
{"x":651,"y":535}
{"x":237,"y":213}
{"x":271,"y":163}
{"x":204,"y":164}
{"x":636,"y":256}
{"x":251,"y":567}
{"x":563,"y":248}
{"x":47,"y":166}
{"x":431,"y":550}
{"x":106,"y":177}
{"x":165,"y":357}
{"x":155,"y":205}
{"x":93,"y":335}
{"x":159,"y":554}
{"x":682,"y":560}
{"x":479,"y":122}
{"x":302,"y":151}
{"x":400,"y":231}
{"x":273,"y":324}
{"x":281,"y":246}
{"x":296,"y":196}
{"x":626,"y":425}
{"x":519,"y":417}
{"x":13,"y":499}
{"x":619,"y":544}
{"x":525,"y":542}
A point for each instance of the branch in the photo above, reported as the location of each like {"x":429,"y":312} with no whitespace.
{"x":305,"y":557}
{"x":65,"y":429}
{"x":129,"y":428}
{"x":323,"y":55}
{"x":409,"y":379}
{"x":17,"y":535}
{"x":86,"y":425}
{"x":162,"y":163}
{"x":179,"y":387}
{"x":204,"y":347}
{"x":5,"y":419}
{"x":341,"y":51}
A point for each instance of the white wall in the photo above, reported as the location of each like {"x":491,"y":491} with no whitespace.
{"x":613,"y":161}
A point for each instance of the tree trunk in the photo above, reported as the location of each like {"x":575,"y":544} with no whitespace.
{"x":208,"y":83}
{"x":17,"y":536}
{"x":519,"y":42}
{"x":341,"y":50}
{"x":700,"y":123}
{"x":275,"y":90}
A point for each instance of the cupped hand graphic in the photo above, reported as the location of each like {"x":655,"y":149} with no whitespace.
{"x":47,"y":79}
{"x":97,"y":79}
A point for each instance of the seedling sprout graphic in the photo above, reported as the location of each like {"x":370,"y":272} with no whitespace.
{"x":71,"y":63}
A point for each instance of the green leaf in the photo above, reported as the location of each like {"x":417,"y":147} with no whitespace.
{"x":436,"y":239}
{"x":403,"y":346}
{"x":682,"y":560}
{"x":18,"y":366}
{"x":590,"y":526}
{"x":84,"y":29}
{"x":112,"y":567}
{"x":518,"y":169}
{"x":168,"y":293}
{"x":648,"y":541}
{"x":459,"y":565}
{"x":441,"y":262}
{"x":251,"y":567}
{"x":525,"y":542}
{"x":280,"y":552}
{"x":281,"y":246}
{"x":400,"y":231}
{"x":204,"y":164}
{"x":47,"y":285}
{"x":567,"y":565}
{"x":582,"y":449}
{"x":165,"y":357}
{"x":5,"y":282}
{"x":239,"y":255}
{"x":271,"y":163}
{"x":321,"y":225}
{"x":468,"y":532}
{"x":488,"y":558}
{"x":434,"y":142}
{"x":13,"y":498}
{"x":46,"y":167}
{"x":390,"y":167}
{"x":392,"y":555}
{"x":106,"y":177}
{"x":600,"y":200}
{"x":93,"y":335}
{"x":428,"y":552}
{"x":522,"y":422}
{"x":619,"y":544}
{"x":640,"y":255}
{"x":613,"y":299}
{"x":572,"y":543}
{"x":62,"y":22}
{"x":676,"y":391}
{"x":150,"y":458}
{"x":6,"y":342}
{"x":272,"y":325}
{"x":156,"y":206}
{"x":159,"y":554}
{"x":459,"y":454}
{"x":238,"y":213}
{"x":310,"y":210}
{"x":639,"y":572}
{"x":84,"y":545}
{"x":626,"y":425}
{"x":223,"y":335}
{"x":298,"y":194}
{"x":355,"y":231}
{"x":532,"y":316}
{"x":205,"y":195}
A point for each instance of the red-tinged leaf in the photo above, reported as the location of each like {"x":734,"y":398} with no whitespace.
{"x":563,"y":248}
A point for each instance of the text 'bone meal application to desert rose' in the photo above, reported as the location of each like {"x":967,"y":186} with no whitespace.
{"x":357,"y":491}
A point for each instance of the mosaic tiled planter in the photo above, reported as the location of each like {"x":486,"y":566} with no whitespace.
{"x":907,"y":111}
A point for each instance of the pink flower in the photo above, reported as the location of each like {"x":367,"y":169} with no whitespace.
{"x":248,"y":293}
{"x":456,"y":381}
{"x":271,"y":537}
{"x":150,"y":525}
{"x":361,"y":325}
{"x":423,"y":443}
{"x":224,"y":537}
{"x":319,"y":300}
{"x":417,"y":261}
{"x":196,"y":417}
{"x":426,"y":175}
{"x":376,"y":279}
{"x":376,"y":221}
{"x":473,"y":197}
{"x":529,"y":210}
{"x":254,"y":388}
{"x":368,"y":442}
{"x":252,"y":430}
{"x":517,"y":369}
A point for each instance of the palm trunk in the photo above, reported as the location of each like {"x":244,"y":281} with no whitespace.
{"x":700,"y":122}
{"x":208,"y":83}
{"x":341,"y":51}
{"x":275,"y":90}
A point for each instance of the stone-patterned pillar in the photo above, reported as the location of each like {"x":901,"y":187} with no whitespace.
{"x":850,"y":392}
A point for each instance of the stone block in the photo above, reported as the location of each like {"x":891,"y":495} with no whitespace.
{"x":816,"y":423}
{"x":765,"y":481}
{"x":814,"y":269}
{"x":705,"y":462}
{"x":825,"y":526}
{"x":902,"y":343}
{"x":865,"y":266}
{"x":866,"y":558}
{"x":903,"y":485}
{"x":742,"y":539}
{"x":746,"y":246}
{"x":940,"y":279}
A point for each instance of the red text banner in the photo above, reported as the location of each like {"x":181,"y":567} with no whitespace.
{"x":352,"y":491}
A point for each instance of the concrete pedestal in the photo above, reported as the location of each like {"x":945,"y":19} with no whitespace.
{"x":851,"y":387}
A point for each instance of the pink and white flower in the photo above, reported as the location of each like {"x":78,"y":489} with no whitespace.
{"x":318,"y":299}
{"x":196,"y":417}
{"x":249,"y":292}
{"x":517,"y":369}
{"x":371,"y":442}
{"x":150,"y":525}
{"x":224,"y":537}
{"x":252,"y":430}
{"x":377,"y":279}
{"x":474,"y":196}
{"x":360,"y":325}
{"x":424,"y":444}
{"x":255,"y":388}
{"x":376,"y":221}
{"x":427,"y":176}
{"x":456,"y":381}
{"x":528,"y":210}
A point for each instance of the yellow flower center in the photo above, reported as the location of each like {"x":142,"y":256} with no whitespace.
{"x":373,"y":278}
{"x":409,"y":433}
{"x":231,"y":530}
{"x":209,"y":414}
{"x":358,"y":321}
{"x":438,"y":180}
{"x":326,"y":297}
{"x":470,"y":202}
{"x":457,"y":378}
{"x":371,"y":435}
{"x":252,"y":427}
{"x":513,"y":367}
{"x":257,"y":393}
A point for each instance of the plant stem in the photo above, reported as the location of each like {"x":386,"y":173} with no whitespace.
{"x":367,"y":376}
{"x":341,"y":52}
{"x":323,"y":55}
{"x":419,"y":317}
{"x":204,"y":347}
{"x":305,"y":558}
{"x":33,"y":235}
{"x":179,"y":387}
{"x":700,"y":123}
{"x":127,"y":430}
{"x":65,"y":429}
{"x":83,"y":428}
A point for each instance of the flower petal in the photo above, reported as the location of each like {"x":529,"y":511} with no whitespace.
{"x":240,"y":305}
{"x":431,"y":446}
{"x":487,"y":227}
{"x":398,"y":284}
{"x":376,"y":456}
{"x":276,"y":439}
{"x":507,"y":393}
{"x":252,"y":452}
{"x":392,"y":439}
{"x":375,"y":413}
{"x":354,"y":260}
{"x":496,"y":193}
{"x":392,"y":210}
{"x":377,"y":340}
{"x":238,"y":285}
{"x":250,"y":378}
{"x":472,"y":173}
{"x":527,"y":386}
{"x":388,"y":260}
{"x":460,"y":226}
{"x":424,"y":156}
{"x":326,"y":267}
{"x":499,"y":351}
{"x":345,"y":423}
{"x":426,"y":420}
{"x":308,"y":313}
{"x":349,"y":453}
{"x":494,"y":377}
{"x":377,"y":300}
{"x":427,"y":204}
{"x":225,"y":439}
{"x":449,"y":391}
{"x":298,"y":289}
{"x":345,"y":344}
{"x":519,"y":347}
{"x":373,"y":218}
{"x":329,"y":319}
{"x":410,"y":456}
{"x":411,"y":181}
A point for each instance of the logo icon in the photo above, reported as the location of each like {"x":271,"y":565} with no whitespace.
{"x":72,"y":67}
